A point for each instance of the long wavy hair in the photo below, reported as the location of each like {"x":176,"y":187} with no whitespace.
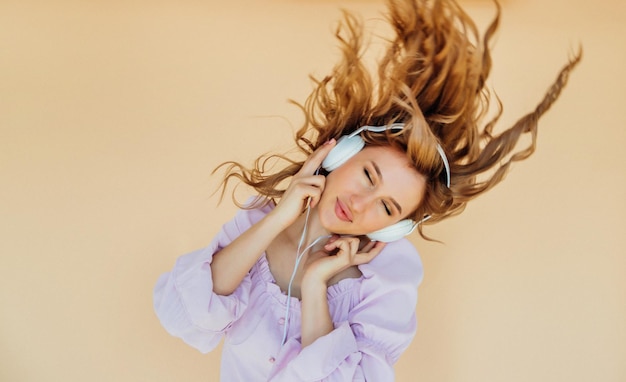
{"x":432,"y":78}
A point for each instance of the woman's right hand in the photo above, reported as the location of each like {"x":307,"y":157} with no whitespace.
{"x":305,"y":187}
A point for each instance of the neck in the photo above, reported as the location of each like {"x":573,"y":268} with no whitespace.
{"x":314,"y":229}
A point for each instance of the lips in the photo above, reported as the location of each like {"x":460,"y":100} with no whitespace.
{"x":342,"y":211}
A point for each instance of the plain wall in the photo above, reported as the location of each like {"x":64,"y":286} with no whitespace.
{"x":114,"y":113}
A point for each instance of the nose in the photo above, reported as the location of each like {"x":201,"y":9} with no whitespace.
{"x":360,"y":202}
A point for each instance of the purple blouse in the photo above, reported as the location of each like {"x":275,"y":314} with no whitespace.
{"x":374,"y":316}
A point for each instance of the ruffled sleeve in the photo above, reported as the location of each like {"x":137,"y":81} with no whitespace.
{"x":184,"y":300}
{"x":378,"y":329}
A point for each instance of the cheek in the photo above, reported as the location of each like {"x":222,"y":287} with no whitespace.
{"x":335,"y":182}
{"x":377,"y":220}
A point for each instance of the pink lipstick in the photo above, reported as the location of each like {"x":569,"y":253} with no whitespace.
{"x":342,"y":212}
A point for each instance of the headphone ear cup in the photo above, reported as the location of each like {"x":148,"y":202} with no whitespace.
{"x":393,"y":232}
{"x":345,"y":149}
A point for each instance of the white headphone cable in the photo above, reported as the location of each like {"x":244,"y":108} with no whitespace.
{"x":299,"y":256}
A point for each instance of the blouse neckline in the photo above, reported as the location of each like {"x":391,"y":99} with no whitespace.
{"x":334,"y":291}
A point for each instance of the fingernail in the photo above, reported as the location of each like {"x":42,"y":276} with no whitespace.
{"x":328,"y":142}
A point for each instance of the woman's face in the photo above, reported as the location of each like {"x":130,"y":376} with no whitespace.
{"x":374,"y":189}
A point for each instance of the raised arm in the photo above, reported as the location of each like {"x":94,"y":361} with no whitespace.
{"x":320,"y":268}
{"x":232,"y":263}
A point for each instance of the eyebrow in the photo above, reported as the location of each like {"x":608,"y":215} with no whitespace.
{"x":380,"y":176}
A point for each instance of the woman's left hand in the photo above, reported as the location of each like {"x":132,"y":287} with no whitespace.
{"x":321,"y":266}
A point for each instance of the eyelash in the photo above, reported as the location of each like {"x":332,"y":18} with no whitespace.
{"x":369,"y":178}
{"x":387,"y":209}
{"x":367,"y":174}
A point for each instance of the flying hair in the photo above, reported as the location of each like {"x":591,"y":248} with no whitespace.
{"x":432,"y":78}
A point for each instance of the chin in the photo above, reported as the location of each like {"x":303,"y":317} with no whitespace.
{"x":329,"y":221}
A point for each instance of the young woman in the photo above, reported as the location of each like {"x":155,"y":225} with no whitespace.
{"x":315,"y":282}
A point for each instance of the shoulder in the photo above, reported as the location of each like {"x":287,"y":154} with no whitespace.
{"x":398,"y":264}
{"x":252,"y":212}
{"x":385,"y":317}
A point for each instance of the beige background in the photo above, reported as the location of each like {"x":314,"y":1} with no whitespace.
{"x":113,"y":114}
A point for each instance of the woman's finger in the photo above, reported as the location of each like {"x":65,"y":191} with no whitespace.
{"x":341,"y":243}
{"x":349,"y":249}
{"x":368,"y":247}
{"x":314,"y":161}
{"x":354,"y":246}
{"x":300,"y":192}
{"x":366,"y":257}
{"x":333,"y":238}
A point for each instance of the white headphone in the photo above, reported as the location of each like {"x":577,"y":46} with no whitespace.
{"x":347,"y":146}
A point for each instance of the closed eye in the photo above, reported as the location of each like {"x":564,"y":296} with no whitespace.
{"x":369,"y":177}
{"x":371,"y":181}
{"x":387,"y":210}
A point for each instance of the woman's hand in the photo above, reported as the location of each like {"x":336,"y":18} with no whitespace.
{"x":304,"y":186}
{"x":320,"y":266}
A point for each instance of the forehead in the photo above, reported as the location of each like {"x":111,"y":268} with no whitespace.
{"x":401,"y":180}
